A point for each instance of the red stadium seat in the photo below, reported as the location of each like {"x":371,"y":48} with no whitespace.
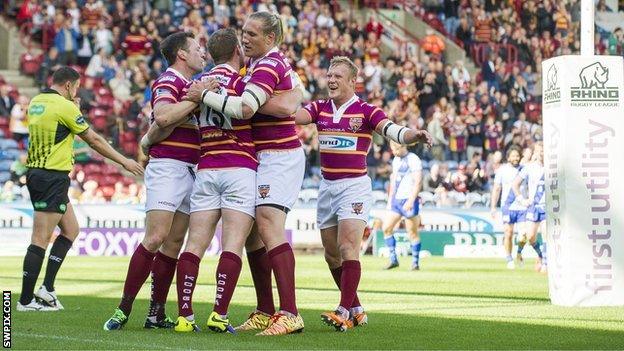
{"x":91,"y":168}
{"x":108,"y":192}
{"x":127,"y":181}
{"x":130,"y":148}
{"x":100,"y":123}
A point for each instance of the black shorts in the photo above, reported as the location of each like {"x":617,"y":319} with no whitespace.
{"x":48,"y":189}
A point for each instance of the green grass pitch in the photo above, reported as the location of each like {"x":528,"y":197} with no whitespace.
{"x":450,"y":304}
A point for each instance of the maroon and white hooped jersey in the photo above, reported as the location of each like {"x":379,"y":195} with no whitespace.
{"x":274,"y":75}
{"x":183,"y":143}
{"x":345,"y":135}
{"x":220,"y":147}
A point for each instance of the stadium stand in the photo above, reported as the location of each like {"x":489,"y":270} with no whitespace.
{"x":475,"y":108}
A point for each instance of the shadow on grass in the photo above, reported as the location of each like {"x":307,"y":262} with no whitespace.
{"x":333,"y":289}
{"x":79,"y":326}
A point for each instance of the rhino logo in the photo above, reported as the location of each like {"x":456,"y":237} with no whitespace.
{"x":551,"y":78}
{"x":595,"y":75}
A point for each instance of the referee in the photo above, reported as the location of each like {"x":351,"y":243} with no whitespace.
{"x":53,"y":121}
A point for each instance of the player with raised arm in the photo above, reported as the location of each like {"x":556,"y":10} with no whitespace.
{"x":512,"y":209}
{"x":403,"y":202}
{"x":345,"y":124}
{"x":169,"y":180}
{"x":225,"y":189}
{"x":533,"y":175}
{"x":280,"y":171}
{"x":54,"y":119}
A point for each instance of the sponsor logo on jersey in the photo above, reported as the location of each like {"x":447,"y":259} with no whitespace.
{"x":263,"y":190}
{"x":162,"y":91}
{"x":593,"y":90}
{"x":355,"y":124}
{"x":328,"y":142}
{"x":357,"y":207}
{"x":167,"y":79}
{"x":36,"y":109}
{"x":269,"y":62}
{"x":80,"y":119}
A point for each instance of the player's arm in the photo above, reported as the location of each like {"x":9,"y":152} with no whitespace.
{"x":400,"y":134}
{"x":155,"y":134}
{"x":515,"y":187}
{"x":283,"y":105}
{"x":169,"y":113}
{"x":494,"y":196}
{"x":99,"y":144}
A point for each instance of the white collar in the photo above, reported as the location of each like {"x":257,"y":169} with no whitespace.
{"x":253,"y":62}
{"x":227,"y":66}
{"x":337,"y":114}
{"x":174,"y":71}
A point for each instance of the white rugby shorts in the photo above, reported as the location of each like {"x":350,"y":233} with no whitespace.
{"x":232,"y":188}
{"x":168,"y":185}
{"x":279,"y":178}
{"x":349,"y":198}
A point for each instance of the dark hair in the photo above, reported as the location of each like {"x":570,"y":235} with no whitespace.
{"x":512,"y":149}
{"x":65,"y":74}
{"x":222,"y":44}
{"x":271,"y":23}
{"x":173,"y":43}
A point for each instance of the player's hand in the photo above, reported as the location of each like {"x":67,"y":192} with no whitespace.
{"x":526,"y":202}
{"x":133,"y":167}
{"x":422,"y":136}
{"x":194,"y":93}
{"x":212,"y":84}
{"x":408,"y":206}
{"x":493,"y":213}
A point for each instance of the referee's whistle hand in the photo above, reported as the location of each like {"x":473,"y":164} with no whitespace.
{"x":133,"y":167}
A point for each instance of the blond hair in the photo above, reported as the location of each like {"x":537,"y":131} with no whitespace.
{"x":271,"y":23}
{"x":343,"y":60}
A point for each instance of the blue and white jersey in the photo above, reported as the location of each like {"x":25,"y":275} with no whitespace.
{"x":403,"y":169}
{"x":533,"y":175}
{"x":505,"y":177}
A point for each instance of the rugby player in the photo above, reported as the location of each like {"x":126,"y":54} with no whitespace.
{"x":533,"y":175}
{"x":169,"y":179}
{"x":225,"y":189}
{"x":54,"y":119}
{"x":403,"y":202}
{"x":280,"y":171}
{"x":345,"y":124}
{"x":512,"y":208}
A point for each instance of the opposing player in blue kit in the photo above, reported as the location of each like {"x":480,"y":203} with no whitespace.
{"x":403,"y":202}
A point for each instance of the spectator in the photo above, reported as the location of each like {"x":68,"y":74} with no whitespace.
{"x":457,"y":140}
{"x":136,"y":46}
{"x":433,"y":44}
{"x":6,"y":101}
{"x":85,"y":46}
{"x":87,"y":96}
{"x":120,"y":86}
{"x":66,"y":42}
{"x":103,"y":38}
{"x":19,"y":121}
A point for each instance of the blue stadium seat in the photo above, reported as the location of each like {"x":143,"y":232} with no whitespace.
{"x":4,"y":176}
{"x":5,"y":165}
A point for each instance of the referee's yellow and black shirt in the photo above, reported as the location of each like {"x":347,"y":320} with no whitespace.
{"x":53,"y":122}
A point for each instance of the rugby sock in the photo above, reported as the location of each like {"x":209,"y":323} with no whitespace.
{"x":228,"y":270}
{"x":186,"y":279}
{"x":283,"y":265}
{"x":138,"y":271}
{"x":337,"y":274}
{"x":416,"y":253}
{"x":520,"y":247}
{"x":509,"y":258}
{"x":536,"y":247}
{"x":163,"y":269}
{"x":391,"y":244}
{"x":349,"y":281}
{"x":544,"y":255}
{"x":57,"y":254}
{"x":260,"y":267}
{"x":32,"y":266}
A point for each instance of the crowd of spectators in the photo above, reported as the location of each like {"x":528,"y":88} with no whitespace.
{"x":473,"y":117}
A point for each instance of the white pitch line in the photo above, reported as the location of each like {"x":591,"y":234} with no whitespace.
{"x":101,"y":341}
